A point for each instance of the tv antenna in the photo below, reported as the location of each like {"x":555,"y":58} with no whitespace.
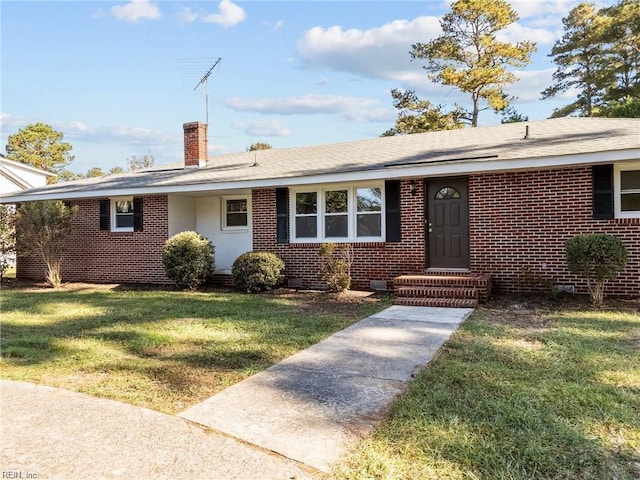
{"x":205,"y":80}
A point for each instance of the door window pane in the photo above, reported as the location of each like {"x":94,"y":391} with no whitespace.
{"x":447,"y":193}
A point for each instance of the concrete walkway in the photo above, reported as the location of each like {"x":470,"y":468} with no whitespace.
{"x":308,"y":409}
{"x":313,"y":406}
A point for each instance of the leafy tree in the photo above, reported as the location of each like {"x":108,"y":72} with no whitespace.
{"x":7,"y":238}
{"x":115,"y":170}
{"x":139,"y":163}
{"x":42,"y":228}
{"x":598,"y":257}
{"x":628,"y":108}
{"x":511,"y":115}
{"x":468,"y":56}
{"x":41,"y":146}
{"x":621,"y":37}
{"x":95,"y":172}
{"x":68,"y":176}
{"x":580,"y":57}
{"x":259,"y":146}
{"x":416,"y":116}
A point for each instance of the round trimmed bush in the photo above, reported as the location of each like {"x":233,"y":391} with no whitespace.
{"x":598,"y":257}
{"x":257,"y":271}
{"x":188,"y":259}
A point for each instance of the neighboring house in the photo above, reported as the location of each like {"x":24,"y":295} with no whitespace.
{"x":15,"y":176}
{"x":499,"y":201}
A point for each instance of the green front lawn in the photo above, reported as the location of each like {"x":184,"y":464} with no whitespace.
{"x":165,"y":350}
{"x":518,"y":394}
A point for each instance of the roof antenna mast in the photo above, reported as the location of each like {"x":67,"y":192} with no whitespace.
{"x":205,"y":80}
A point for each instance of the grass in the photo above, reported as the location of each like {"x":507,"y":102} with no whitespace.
{"x":165,"y":350}
{"x":534,"y":395}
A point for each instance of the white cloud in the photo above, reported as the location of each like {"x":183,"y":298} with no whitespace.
{"x":516,"y":32}
{"x":264,"y":128}
{"x":136,"y":10}
{"x":351,"y":109}
{"x":381,"y":52}
{"x":186,"y":15}
{"x":80,"y":132}
{"x":229,"y":14}
{"x":302,"y":105}
{"x":531,"y":8}
{"x":530,"y":84}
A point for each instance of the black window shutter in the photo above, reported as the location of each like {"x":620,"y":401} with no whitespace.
{"x":602,"y":191}
{"x":137,"y":214}
{"x":392,"y":210}
{"x":104,"y":215}
{"x":282,"y":215}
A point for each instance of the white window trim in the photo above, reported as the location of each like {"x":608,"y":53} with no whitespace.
{"x":351,"y":213}
{"x":113,"y":214}
{"x":617,"y":191}
{"x":223,"y":206}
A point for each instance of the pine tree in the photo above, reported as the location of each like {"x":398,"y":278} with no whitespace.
{"x":469,"y":57}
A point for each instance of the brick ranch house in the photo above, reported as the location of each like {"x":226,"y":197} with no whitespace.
{"x":493,"y":202}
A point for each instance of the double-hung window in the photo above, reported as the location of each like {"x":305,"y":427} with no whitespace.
{"x":306,"y":215}
{"x":334,"y":214}
{"x":627,"y":188}
{"x":369,"y":212}
{"x":122,"y":209}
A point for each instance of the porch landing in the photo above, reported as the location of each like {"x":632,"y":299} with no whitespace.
{"x":442,"y":290}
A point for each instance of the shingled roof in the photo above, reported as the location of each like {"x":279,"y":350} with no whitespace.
{"x":500,"y":147}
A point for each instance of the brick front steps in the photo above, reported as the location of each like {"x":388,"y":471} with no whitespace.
{"x":442,"y":290}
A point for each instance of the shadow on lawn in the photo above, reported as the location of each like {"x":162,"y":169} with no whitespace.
{"x":502,"y":410}
{"x":139,"y":322}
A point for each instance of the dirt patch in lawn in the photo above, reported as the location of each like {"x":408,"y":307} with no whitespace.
{"x":529,"y":313}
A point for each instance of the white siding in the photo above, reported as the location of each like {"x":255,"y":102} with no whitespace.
{"x":182,"y":215}
{"x":229,"y":244}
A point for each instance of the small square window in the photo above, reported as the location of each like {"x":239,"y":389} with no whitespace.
{"x":235,"y":213}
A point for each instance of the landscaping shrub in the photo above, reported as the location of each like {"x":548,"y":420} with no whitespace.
{"x":42,"y":229}
{"x":257,"y":271}
{"x":336,"y":266}
{"x":597,"y":257}
{"x":188,"y":259}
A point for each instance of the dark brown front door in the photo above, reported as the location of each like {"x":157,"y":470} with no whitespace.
{"x":447,"y":223}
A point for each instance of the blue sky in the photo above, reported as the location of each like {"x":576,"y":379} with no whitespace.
{"x":118,"y":78}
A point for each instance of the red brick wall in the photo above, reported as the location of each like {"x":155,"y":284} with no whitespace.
{"x":372,"y":261}
{"x":195,"y":144}
{"x":94,"y":255}
{"x":519,"y":223}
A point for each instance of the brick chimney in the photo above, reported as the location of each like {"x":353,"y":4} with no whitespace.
{"x":195,"y":144}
